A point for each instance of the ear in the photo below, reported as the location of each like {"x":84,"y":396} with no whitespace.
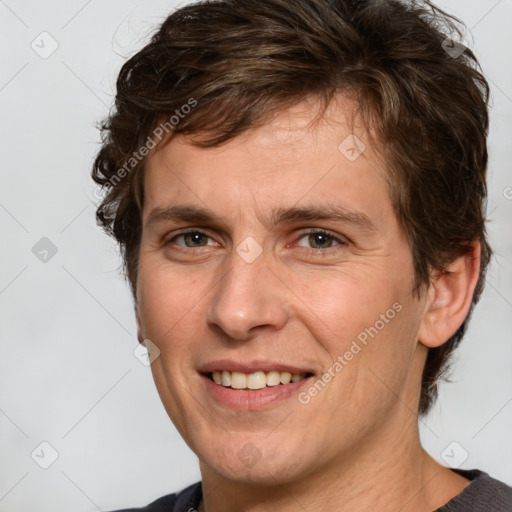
{"x":449,"y":299}
{"x":140,"y":335}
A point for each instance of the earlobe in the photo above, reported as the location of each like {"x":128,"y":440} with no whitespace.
{"x":449,"y":298}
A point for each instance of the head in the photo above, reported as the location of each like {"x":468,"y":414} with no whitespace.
{"x":241,"y":113}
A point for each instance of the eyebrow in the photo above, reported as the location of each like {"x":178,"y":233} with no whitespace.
{"x":308,"y":213}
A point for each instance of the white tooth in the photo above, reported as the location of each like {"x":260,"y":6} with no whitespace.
{"x":238,"y":380}
{"x":273,"y":378}
{"x":257,"y":380}
{"x":286,"y":377}
{"x":226,"y":378}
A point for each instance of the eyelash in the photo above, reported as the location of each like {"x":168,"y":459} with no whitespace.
{"x":311,"y":231}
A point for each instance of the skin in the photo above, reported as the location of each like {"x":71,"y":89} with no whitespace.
{"x":355,"y":445}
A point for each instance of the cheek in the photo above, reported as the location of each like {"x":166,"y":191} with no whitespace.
{"x":170,"y":303}
{"x":382,"y":368}
{"x":367,"y":319}
{"x":343,"y":305}
{"x":170,"y":309}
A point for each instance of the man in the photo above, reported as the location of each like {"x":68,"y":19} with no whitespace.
{"x":298,"y":190}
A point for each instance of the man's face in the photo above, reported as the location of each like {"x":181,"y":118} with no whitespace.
{"x":252,"y":271}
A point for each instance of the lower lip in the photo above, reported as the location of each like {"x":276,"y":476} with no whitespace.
{"x":252,"y":400}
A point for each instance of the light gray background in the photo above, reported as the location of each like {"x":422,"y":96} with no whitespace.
{"x":68,"y":373}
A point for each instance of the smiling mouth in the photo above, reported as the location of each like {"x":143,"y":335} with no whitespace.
{"x":256,"y":380}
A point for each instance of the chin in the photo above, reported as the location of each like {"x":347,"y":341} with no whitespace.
{"x":257,"y":461}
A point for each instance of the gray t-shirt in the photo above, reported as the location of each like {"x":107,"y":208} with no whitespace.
{"x":483,"y":494}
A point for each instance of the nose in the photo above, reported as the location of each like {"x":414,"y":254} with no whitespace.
{"x":248,"y":298}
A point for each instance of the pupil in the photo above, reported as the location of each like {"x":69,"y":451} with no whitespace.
{"x":194,"y":239}
{"x":319,"y":240}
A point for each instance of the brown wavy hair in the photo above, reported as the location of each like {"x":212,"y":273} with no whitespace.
{"x":242,"y":61}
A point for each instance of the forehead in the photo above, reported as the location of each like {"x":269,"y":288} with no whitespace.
{"x":294,"y":157}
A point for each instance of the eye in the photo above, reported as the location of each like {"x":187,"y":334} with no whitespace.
{"x":191,"y":239}
{"x":319,"y":239}
{"x":314,"y":239}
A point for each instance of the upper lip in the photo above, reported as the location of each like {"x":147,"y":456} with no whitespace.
{"x":251,"y":366}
